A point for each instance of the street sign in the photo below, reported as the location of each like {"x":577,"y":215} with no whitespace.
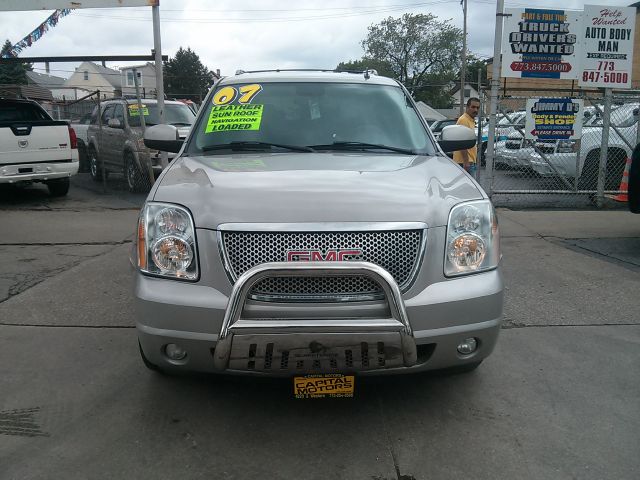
{"x":541,"y":43}
{"x":23,"y":5}
{"x":608,"y":34}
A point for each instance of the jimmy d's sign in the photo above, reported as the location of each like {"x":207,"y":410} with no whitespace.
{"x":608,"y":46}
{"x":541,"y":43}
{"x":554,"y":119}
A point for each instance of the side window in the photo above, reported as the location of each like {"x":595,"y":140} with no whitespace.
{"x":119,"y":114}
{"x":107,"y":114}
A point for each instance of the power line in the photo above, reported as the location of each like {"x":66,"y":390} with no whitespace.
{"x":270,"y":19}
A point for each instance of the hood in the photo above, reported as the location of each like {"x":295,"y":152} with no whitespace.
{"x":315,"y":187}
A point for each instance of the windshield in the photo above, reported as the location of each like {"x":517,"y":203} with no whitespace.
{"x":324,"y":116}
{"x":174,"y":114}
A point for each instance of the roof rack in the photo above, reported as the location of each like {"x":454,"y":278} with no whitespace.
{"x":333,"y":70}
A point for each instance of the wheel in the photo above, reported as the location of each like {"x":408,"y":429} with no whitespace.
{"x":147,"y":363}
{"x":95,"y":167}
{"x":58,"y":187}
{"x":589,"y":176}
{"x":616,"y":160}
{"x":135,"y":179}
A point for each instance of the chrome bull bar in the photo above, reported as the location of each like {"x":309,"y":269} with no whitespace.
{"x":284,"y":345}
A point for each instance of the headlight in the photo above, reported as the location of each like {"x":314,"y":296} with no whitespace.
{"x":473,"y":240}
{"x":167,"y":242}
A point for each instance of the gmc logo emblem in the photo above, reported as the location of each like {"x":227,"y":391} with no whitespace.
{"x":334,"y":255}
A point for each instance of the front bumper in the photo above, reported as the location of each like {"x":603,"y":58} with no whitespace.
{"x":38,"y":172}
{"x":230,"y":334}
{"x":558,"y":163}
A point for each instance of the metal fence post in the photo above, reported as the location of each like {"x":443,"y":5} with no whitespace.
{"x":102,"y":168}
{"x":143,"y":124}
{"x":495,"y":84}
{"x":602,"y":170}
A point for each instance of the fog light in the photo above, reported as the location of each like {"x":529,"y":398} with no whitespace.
{"x":174,"y":352}
{"x":468,"y":346}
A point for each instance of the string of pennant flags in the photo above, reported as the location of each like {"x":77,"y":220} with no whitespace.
{"x":37,"y":33}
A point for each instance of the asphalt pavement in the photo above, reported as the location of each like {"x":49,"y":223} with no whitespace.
{"x":558,"y":398}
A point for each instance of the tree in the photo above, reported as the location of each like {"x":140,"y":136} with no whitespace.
{"x":383,"y":68}
{"x":474,"y":65}
{"x":13,"y":73}
{"x":435,"y":90}
{"x":185,"y":76}
{"x":417,"y":47}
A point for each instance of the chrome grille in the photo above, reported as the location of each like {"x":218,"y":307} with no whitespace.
{"x":396,"y":251}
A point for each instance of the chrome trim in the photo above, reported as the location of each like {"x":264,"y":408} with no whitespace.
{"x":399,"y":320}
{"x":226,"y":262}
{"x":321,"y":227}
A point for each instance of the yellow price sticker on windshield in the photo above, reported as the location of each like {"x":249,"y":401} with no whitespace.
{"x":134,"y":111}
{"x":227,"y":95}
{"x":234,"y":117}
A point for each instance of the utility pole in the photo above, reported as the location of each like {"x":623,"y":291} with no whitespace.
{"x":493,"y":106}
{"x":155,"y":11}
{"x":463,"y":69}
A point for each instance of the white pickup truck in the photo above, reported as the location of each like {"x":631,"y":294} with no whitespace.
{"x":35,"y":148}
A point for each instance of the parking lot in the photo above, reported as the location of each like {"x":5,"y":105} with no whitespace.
{"x":558,"y":398}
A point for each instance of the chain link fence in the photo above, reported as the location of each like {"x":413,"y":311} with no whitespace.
{"x":562,"y":173}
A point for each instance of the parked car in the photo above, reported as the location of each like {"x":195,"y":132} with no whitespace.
{"x":119,"y":144}
{"x":562,"y":154}
{"x":437,"y":126}
{"x":514,"y":152}
{"x":311,"y":225}
{"x":36,"y":148}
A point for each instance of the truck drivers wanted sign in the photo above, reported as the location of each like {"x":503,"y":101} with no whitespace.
{"x":541,"y":43}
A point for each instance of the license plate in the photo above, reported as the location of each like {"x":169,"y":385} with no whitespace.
{"x":324,"y":386}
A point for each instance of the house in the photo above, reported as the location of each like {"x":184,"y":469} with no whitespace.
{"x":469,"y":92}
{"x":56,"y":85}
{"x":90,"y":76}
{"x":146,"y":80}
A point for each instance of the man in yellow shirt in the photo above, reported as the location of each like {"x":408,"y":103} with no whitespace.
{"x":467,"y":158}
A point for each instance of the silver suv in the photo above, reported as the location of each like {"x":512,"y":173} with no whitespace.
{"x":117,"y":143}
{"x":311,"y":225}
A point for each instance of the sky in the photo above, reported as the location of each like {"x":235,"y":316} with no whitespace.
{"x":252,"y":34}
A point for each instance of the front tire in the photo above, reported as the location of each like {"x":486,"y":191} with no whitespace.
{"x":95,"y":167}
{"x":135,"y":181}
{"x":616,"y":160}
{"x":58,"y":187}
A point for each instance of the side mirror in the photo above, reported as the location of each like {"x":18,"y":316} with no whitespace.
{"x":114,"y":123}
{"x":164,"y":138}
{"x":456,"y":137}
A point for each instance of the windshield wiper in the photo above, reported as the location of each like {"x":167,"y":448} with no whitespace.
{"x":249,"y":146}
{"x":180,"y":124}
{"x":362,"y":146}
